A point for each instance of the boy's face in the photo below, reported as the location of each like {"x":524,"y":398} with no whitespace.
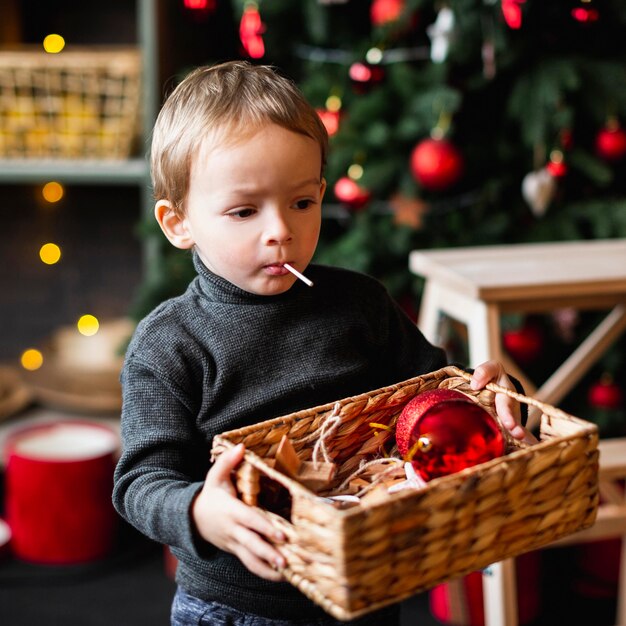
{"x":252,"y":205}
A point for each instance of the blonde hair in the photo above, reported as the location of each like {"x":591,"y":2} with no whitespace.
{"x":231,"y":98}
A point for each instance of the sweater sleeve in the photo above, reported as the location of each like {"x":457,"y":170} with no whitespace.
{"x":162,"y":465}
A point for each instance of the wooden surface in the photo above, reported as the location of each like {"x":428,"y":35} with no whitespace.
{"x":530,"y":271}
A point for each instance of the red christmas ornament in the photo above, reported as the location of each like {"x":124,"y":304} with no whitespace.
{"x":585,"y":15}
{"x":330,"y":119}
{"x":605,"y":394}
{"x":524,"y":344}
{"x":351,"y":193}
{"x":556,"y":166}
{"x":200,"y":5}
{"x":384,"y":11}
{"x":250,"y":30}
{"x":558,"y":169}
{"x":364,"y":76}
{"x":512,"y":13}
{"x":443,"y":431}
{"x":611,"y":142}
{"x":436,"y":164}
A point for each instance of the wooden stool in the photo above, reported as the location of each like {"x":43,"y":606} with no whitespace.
{"x":476,"y":285}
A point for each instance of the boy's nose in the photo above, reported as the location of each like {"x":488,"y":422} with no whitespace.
{"x":277,"y":230}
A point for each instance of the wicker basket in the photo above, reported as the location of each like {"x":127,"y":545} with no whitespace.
{"x":80,"y":103}
{"x":385,"y":549}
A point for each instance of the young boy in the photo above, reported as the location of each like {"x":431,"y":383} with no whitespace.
{"x":237,"y":163}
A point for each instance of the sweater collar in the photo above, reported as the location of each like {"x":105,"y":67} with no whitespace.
{"x":218,"y":289}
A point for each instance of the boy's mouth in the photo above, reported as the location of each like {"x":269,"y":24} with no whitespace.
{"x":276,"y":269}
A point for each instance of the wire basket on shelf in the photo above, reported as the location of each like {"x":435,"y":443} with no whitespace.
{"x":386,"y":548}
{"x":80,"y":103}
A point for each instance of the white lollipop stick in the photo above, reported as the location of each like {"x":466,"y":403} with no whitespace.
{"x":297,"y":274}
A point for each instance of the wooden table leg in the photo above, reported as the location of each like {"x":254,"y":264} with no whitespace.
{"x":483,"y":330}
{"x":430,"y":312}
{"x":499,"y":589}
{"x":621,"y":589}
{"x":500,"y":594}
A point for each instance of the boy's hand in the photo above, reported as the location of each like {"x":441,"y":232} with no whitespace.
{"x":507,"y":408}
{"x":233,"y":526}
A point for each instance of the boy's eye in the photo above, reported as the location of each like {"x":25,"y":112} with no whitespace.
{"x":304,"y":204}
{"x":242,"y":213}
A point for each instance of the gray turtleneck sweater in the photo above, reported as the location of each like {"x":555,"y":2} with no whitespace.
{"x":218,"y":358}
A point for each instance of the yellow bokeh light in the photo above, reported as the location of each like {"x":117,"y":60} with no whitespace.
{"x":31,"y":359}
{"x":333,"y":103}
{"x":50,"y":253}
{"x":88,"y":325}
{"x":355,"y":171}
{"x":53,"y":43}
{"x":52,"y":191}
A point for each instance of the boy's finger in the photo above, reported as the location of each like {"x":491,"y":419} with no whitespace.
{"x":259,"y":567}
{"x":508,"y":409}
{"x":508,"y":412}
{"x":225,"y":464}
{"x":253,"y":520}
{"x":260,"y":548}
{"x":483,"y":374}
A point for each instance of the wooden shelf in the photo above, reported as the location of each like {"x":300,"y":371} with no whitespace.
{"x":124,"y":172}
{"x":99,"y":172}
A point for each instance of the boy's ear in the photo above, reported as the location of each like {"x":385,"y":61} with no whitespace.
{"x":323,"y":189}
{"x":173,"y":225}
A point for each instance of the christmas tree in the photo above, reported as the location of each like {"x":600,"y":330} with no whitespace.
{"x":463,"y":123}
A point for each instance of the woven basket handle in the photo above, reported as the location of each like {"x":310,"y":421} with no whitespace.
{"x":513,"y":394}
{"x":249,"y":471}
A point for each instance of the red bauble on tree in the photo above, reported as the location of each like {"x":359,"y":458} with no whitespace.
{"x":330,"y":119}
{"x":200,"y":5}
{"x":250,"y":30}
{"x":512,"y":13}
{"x":384,"y":11}
{"x":611,"y":142}
{"x":436,"y":164}
{"x":556,"y":165}
{"x":443,"y":431}
{"x":605,"y":394}
{"x":585,"y":14}
{"x":350,"y":193}
{"x":365,"y":76}
{"x":523,"y":344}
{"x":558,"y":169}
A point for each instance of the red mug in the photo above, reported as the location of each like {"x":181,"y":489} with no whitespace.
{"x":59,"y":478}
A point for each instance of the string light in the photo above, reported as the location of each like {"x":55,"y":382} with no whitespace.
{"x":52,"y":192}
{"x":53,"y":43}
{"x":88,"y":325}
{"x":355,"y":171}
{"x":343,"y":57}
{"x":374,"y":55}
{"x":31,"y":359}
{"x":333,"y":103}
{"x":50,"y":253}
